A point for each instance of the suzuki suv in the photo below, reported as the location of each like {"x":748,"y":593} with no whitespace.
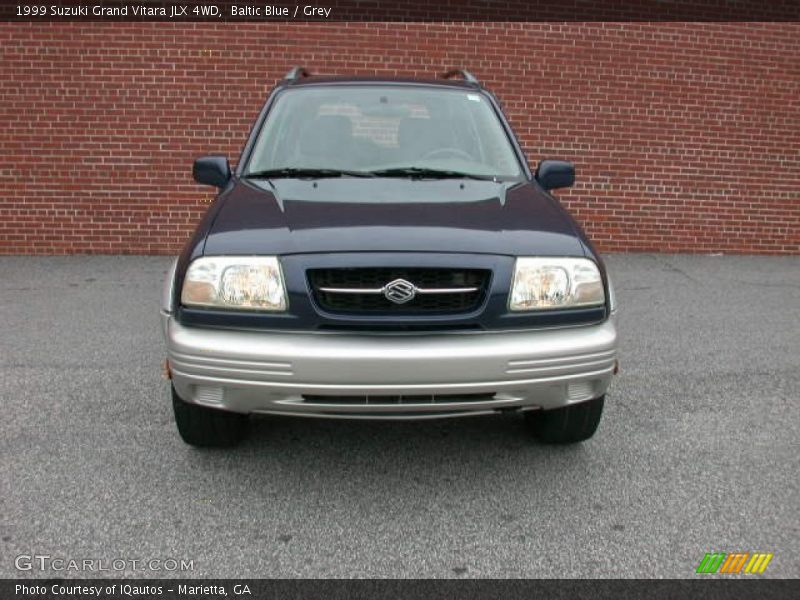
{"x":383,"y":251}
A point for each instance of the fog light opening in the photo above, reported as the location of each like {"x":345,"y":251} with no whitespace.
{"x":208,"y":395}
{"x":580,"y":391}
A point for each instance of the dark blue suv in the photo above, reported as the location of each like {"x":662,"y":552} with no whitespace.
{"x":383,"y":251}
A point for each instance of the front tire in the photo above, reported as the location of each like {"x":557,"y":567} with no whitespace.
{"x":207,"y":427}
{"x":567,"y":425}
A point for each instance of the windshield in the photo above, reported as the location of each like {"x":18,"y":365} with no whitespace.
{"x":394,"y":131}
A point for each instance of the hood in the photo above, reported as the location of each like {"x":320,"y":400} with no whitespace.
{"x":300,"y":216}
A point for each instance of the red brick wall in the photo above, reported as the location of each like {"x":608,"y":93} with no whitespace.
{"x":686,"y":137}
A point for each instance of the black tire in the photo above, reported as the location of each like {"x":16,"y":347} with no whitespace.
{"x":208,"y":427}
{"x":566,"y":425}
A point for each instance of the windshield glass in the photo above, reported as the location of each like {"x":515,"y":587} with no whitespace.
{"x":379,"y":128}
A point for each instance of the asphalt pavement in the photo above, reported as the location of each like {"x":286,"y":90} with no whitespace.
{"x":697,"y":451}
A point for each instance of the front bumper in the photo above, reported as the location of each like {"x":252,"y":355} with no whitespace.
{"x":397,"y":376}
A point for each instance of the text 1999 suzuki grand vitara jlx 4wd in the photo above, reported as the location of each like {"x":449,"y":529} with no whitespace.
{"x":383,"y":251}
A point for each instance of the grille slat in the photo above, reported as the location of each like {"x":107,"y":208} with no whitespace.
{"x":371,"y":279}
{"x":398,"y":399}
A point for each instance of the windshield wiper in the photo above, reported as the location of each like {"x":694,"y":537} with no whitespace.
{"x":304,"y":172}
{"x":429,"y":173}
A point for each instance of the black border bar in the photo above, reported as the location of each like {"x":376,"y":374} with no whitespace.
{"x":704,"y":587}
{"x":406,"y":10}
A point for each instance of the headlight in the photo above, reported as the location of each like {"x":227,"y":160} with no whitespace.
{"x":546,"y":283}
{"x":243,"y":282}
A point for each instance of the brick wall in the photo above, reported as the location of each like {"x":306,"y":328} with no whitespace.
{"x":686,"y":136}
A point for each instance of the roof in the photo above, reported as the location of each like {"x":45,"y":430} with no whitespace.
{"x":298,"y":77}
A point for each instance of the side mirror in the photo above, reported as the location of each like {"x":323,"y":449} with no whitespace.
{"x":212,"y":170}
{"x":553,"y":174}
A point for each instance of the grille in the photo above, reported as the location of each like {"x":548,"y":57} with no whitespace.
{"x":398,"y":399}
{"x":361,"y":290}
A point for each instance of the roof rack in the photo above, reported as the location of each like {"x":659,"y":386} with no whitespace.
{"x":297,"y":73}
{"x":466,"y":75}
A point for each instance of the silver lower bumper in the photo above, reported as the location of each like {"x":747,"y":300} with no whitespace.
{"x":390,"y":376}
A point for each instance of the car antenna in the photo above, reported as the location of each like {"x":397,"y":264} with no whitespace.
{"x":278,"y":199}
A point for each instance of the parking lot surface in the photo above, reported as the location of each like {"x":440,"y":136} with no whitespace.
{"x":697,"y":451}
